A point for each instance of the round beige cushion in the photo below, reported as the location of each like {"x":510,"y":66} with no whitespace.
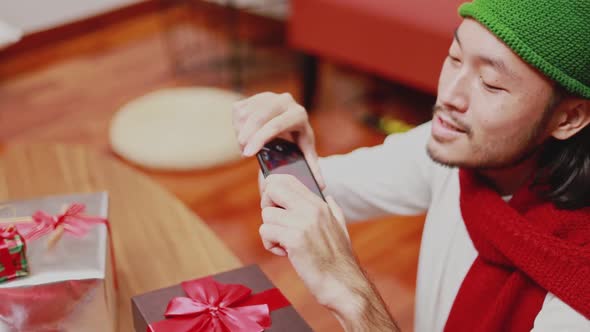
{"x":177,"y":129}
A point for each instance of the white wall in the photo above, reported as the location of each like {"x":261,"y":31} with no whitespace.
{"x":8,"y":35}
{"x":36,"y":15}
{"x":278,"y":9}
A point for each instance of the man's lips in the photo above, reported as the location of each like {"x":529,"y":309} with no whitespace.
{"x":449,"y":123}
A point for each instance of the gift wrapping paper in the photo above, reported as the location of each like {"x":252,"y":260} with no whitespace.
{"x":70,"y":286}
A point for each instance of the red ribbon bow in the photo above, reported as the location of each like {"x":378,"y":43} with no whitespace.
{"x":212,"y":306}
{"x":73,"y":222}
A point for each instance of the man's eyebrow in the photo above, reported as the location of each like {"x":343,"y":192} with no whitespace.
{"x":497,"y":64}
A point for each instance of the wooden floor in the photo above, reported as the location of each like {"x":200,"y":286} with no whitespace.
{"x":68,"y":91}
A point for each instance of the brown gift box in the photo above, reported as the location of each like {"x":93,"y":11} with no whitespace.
{"x":149,"y":308}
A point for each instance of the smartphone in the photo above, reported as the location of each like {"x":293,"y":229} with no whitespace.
{"x":280,"y":156}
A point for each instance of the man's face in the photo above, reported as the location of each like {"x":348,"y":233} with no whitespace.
{"x":491,"y":109}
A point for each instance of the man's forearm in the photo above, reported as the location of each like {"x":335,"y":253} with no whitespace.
{"x":362,"y":308}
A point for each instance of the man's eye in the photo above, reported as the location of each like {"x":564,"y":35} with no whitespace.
{"x":454,"y":59}
{"x":490,"y":87}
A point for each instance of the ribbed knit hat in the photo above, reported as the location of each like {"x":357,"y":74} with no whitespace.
{"x":551,"y":35}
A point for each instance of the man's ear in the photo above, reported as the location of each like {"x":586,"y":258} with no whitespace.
{"x":573,"y":115}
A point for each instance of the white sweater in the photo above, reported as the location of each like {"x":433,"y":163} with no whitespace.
{"x":397,"y":177}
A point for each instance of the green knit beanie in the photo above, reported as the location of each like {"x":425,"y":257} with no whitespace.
{"x":551,"y":35}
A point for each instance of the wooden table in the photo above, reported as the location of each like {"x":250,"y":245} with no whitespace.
{"x":158,"y":241}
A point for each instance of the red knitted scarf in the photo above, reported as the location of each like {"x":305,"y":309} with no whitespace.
{"x":527,"y":247}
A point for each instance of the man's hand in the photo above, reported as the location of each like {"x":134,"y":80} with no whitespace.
{"x":262,"y":117}
{"x":313,"y":235}
{"x":298,"y":224}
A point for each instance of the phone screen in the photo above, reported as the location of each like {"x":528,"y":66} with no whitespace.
{"x":283,"y":157}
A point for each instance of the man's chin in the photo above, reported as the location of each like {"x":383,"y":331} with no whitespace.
{"x":437,"y":158}
{"x":446,"y":154}
{"x":439,"y":153}
{"x":452,"y":160}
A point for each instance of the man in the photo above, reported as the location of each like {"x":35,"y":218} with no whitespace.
{"x":503,"y":170}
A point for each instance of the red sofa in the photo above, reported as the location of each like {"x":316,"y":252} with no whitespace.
{"x":404,"y":40}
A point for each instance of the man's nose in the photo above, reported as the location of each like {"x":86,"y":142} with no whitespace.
{"x":454,"y":95}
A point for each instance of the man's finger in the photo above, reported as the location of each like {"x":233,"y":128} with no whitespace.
{"x":256,"y":122}
{"x":281,"y":217}
{"x":287,"y":121}
{"x":307,"y":146}
{"x":285,"y":191}
{"x":251,"y":102}
{"x":265,"y":200}
{"x":271,"y":236}
{"x":241,"y":103}
{"x":240,"y":111}
{"x":278,"y":251}
{"x":274,"y":215}
{"x":294,"y":187}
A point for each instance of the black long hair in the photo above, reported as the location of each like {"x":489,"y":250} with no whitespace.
{"x":564,"y":169}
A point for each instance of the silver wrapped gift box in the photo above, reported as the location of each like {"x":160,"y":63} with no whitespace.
{"x":70,"y":286}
